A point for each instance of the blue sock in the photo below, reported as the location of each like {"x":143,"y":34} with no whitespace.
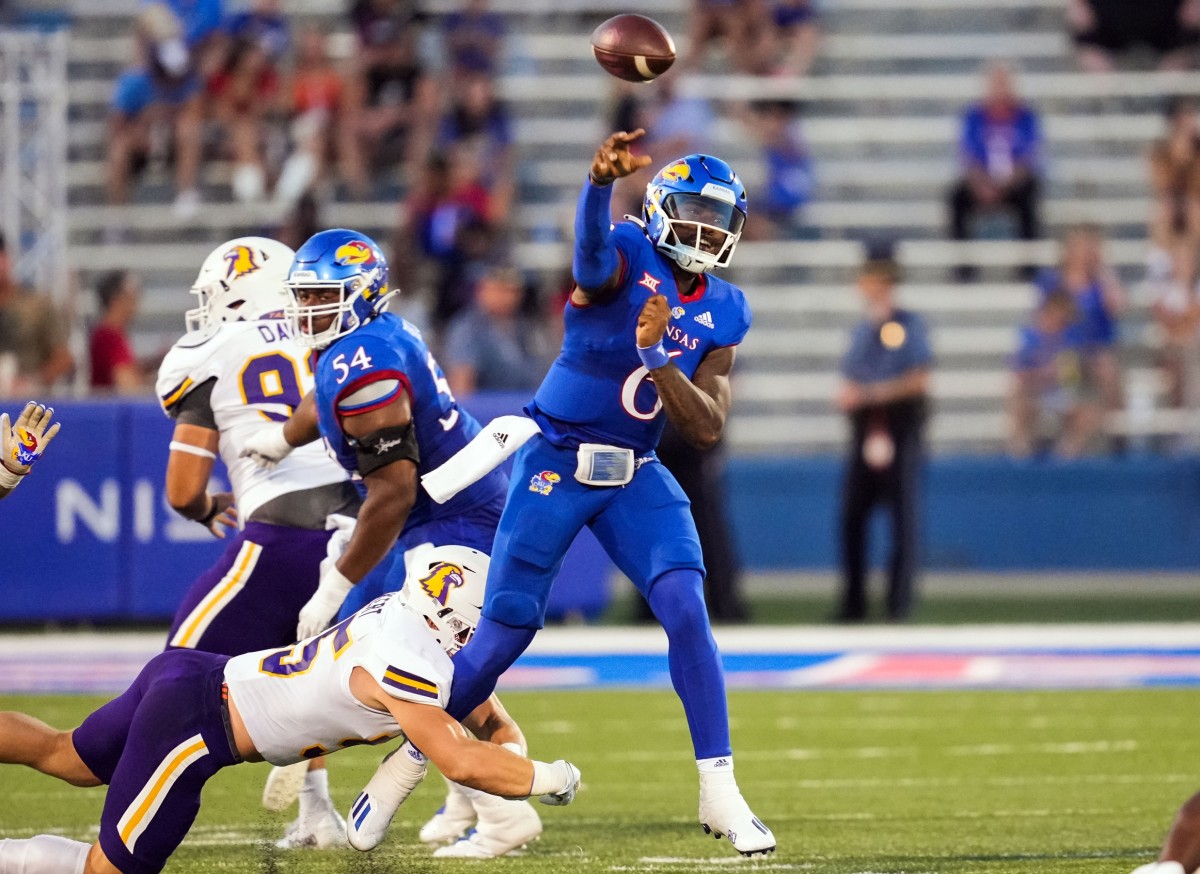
{"x":677,"y":599}
{"x":492,"y":650}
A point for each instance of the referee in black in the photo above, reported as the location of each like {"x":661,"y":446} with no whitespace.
{"x":883,"y":391}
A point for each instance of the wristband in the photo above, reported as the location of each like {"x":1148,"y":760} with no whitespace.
{"x":514,"y":748}
{"x":336,"y":582}
{"x":207,"y":518}
{"x":547,"y":779}
{"x":654,"y":357}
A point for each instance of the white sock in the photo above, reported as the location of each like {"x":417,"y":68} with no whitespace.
{"x":314,"y":797}
{"x":717,"y":765}
{"x":43,"y":854}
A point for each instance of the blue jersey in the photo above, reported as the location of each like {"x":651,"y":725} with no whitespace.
{"x":389,"y":351}
{"x":597,"y":390}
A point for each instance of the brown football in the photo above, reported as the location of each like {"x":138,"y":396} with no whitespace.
{"x":633,"y":47}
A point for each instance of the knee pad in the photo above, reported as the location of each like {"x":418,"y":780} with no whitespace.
{"x":677,"y":552}
{"x":517,"y":609}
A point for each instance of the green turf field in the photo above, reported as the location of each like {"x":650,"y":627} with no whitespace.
{"x":990,"y":782}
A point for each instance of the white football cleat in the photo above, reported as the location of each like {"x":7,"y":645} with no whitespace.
{"x":318,"y":832}
{"x":283,"y":786}
{"x":728,"y":815}
{"x":1161,"y":868}
{"x":504,"y":827}
{"x":452,"y":819}
{"x":394,"y":780}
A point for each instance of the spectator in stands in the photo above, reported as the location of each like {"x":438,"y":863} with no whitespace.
{"x":1000,"y":147}
{"x":796,"y":35}
{"x":303,"y":220}
{"x":476,"y":121}
{"x":389,"y":95}
{"x":490,"y":345}
{"x":474,"y":39}
{"x":313,"y":103}
{"x":883,"y":392}
{"x":1050,"y":380}
{"x":1099,"y":302}
{"x":164,"y":86}
{"x":114,"y":367}
{"x":243,"y":93}
{"x":34,"y":354}
{"x":1175,"y":300}
{"x":676,"y":124}
{"x":1175,"y":177}
{"x":1101,"y":28}
{"x":761,"y":37}
{"x":446,"y":217}
{"x":264,"y":25}
{"x":788,"y":184}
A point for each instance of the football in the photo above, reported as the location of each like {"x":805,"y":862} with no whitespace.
{"x":633,"y":47}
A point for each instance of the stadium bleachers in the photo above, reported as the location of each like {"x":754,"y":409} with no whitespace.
{"x":881,"y":120}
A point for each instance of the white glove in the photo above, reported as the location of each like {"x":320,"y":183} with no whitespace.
{"x":267,"y":446}
{"x":556,"y":783}
{"x":23,"y":444}
{"x":316,"y":615}
{"x":343,"y":529}
{"x":394,"y":780}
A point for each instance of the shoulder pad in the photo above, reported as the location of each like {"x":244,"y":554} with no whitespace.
{"x":184,"y":367}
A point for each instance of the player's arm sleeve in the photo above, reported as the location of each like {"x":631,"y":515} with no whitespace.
{"x":195,"y":407}
{"x":596,"y":264}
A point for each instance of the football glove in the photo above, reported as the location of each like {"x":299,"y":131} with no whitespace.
{"x":267,"y":447}
{"x":24,"y":443}
{"x":555,"y":783}
{"x":316,"y":615}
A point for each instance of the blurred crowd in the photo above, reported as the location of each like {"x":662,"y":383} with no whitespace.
{"x":399,"y":104}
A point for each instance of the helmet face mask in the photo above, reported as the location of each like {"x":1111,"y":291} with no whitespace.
{"x":446,"y":591}
{"x":241,"y":280}
{"x":341,"y":261}
{"x":694,"y":211}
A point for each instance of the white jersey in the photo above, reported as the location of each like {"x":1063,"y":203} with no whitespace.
{"x":296,"y":702}
{"x":261,"y":374}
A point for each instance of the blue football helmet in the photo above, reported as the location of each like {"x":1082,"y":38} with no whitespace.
{"x":348,"y":262}
{"x":694,"y":211}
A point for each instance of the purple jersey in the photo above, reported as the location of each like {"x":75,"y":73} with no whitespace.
{"x":597,"y":390}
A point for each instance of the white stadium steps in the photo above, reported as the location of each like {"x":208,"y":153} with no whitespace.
{"x":881,"y":117}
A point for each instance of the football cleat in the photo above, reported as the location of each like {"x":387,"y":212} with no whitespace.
{"x":729,"y":816}
{"x":283,"y":786}
{"x":394,"y":780}
{"x":317,"y":832}
{"x":504,"y":827}
{"x":1161,"y":868}
{"x":452,"y":819}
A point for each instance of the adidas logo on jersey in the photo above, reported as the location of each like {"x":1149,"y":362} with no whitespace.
{"x":705,"y":318}
{"x":500,"y":438}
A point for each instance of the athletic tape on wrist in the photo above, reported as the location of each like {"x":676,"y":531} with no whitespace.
{"x":654,"y":357}
{"x":8,"y":479}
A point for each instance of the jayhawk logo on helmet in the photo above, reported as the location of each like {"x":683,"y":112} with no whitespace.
{"x":677,"y":172}
{"x":444,"y":577}
{"x":241,"y":260}
{"x":353,"y":253}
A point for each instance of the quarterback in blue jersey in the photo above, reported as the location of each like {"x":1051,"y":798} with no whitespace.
{"x":385,"y":411}
{"x":648,"y":332}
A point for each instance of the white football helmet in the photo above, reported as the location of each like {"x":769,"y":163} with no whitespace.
{"x":446,"y":590}
{"x":241,"y":280}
